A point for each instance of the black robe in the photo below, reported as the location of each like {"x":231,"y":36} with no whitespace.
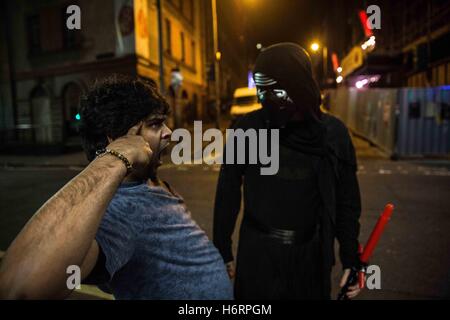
{"x":314,"y":195}
{"x":315,"y":190}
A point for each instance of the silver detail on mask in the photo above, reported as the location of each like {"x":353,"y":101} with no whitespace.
{"x":263,"y":80}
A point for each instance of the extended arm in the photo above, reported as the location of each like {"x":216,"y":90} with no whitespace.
{"x":62,"y":231}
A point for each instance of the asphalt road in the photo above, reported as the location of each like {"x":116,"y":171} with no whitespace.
{"x":413,"y":255}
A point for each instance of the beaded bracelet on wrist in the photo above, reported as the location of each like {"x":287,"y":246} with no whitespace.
{"x":103,"y":152}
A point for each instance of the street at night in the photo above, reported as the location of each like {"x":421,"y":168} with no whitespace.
{"x":225,"y":150}
{"x":416,"y":235}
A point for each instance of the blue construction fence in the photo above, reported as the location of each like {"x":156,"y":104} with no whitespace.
{"x":404,"y":122}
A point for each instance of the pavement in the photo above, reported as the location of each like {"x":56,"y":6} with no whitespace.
{"x":413,"y":253}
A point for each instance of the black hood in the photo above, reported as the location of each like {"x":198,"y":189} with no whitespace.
{"x":290,"y":65}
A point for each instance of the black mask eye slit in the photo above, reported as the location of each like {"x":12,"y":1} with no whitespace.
{"x":273,"y":94}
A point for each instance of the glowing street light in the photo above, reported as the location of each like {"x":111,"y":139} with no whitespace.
{"x":339,"y":69}
{"x":315,"y":46}
{"x":339,"y":79}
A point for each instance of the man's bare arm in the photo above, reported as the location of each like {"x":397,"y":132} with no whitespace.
{"x":62,"y":231}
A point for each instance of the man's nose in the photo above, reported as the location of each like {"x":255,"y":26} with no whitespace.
{"x":166,"y":133}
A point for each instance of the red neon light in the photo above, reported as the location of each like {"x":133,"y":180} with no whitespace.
{"x":363,"y":18}
{"x":335,"y":61}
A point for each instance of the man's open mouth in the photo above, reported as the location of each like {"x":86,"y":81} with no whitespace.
{"x":160,"y":153}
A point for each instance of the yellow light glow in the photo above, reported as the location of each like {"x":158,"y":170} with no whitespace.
{"x":314,"y":46}
{"x":218,"y":55}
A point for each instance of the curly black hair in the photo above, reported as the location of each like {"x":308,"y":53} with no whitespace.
{"x":112,"y":106}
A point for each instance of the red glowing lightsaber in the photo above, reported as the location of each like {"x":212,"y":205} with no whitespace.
{"x":357,"y":273}
{"x":376,"y":233}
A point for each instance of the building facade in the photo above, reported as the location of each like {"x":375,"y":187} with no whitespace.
{"x":45,"y":67}
{"x":411,"y":47}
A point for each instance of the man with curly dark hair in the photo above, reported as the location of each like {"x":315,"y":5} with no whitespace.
{"x":116,"y":220}
{"x":113,"y":106}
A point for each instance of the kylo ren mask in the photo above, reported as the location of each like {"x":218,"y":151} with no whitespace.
{"x":274,"y":100}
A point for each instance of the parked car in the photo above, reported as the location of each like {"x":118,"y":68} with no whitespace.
{"x":244,"y":101}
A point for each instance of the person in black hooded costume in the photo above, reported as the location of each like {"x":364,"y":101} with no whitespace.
{"x":286,"y":240}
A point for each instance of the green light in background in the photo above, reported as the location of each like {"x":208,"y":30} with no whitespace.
{"x":77,"y":116}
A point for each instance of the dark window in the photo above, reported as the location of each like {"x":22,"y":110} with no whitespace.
{"x":187,"y":10}
{"x":47,"y":31}
{"x":183,"y":49}
{"x":34,"y":34}
{"x":193,"y":54}
{"x":168,"y":37}
{"x":51,"y":29}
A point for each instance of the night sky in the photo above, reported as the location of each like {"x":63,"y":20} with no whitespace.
{"x":283,"y":20}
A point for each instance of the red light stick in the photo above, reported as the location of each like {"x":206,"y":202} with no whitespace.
{"x":376,"y":233}
{"x":357,"y":273}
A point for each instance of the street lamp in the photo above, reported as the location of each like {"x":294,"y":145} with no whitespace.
{"x":315,"y":46}
{"x":216,"y":61}
{"x":160,"y":47}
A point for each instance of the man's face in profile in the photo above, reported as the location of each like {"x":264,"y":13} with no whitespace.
{"x":155,"y":131}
